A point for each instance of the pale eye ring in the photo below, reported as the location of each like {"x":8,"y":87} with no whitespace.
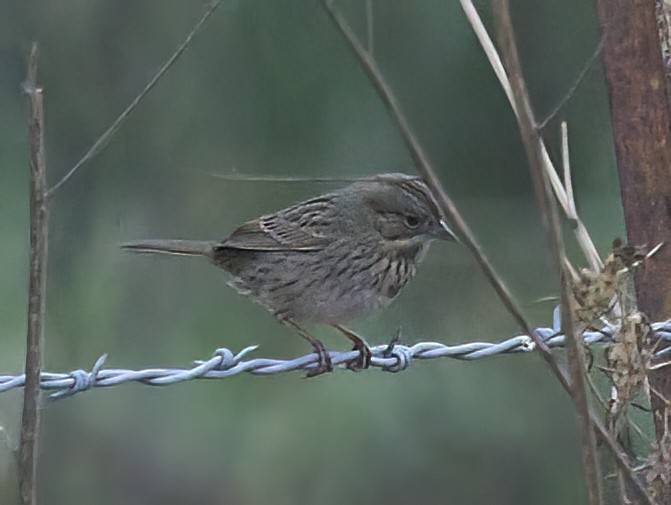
{"x":411,"y":221}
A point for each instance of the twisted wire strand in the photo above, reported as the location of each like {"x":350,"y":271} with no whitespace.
{"x":224,"y":363}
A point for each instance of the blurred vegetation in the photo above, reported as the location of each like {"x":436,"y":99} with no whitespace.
{"x":269,"y":88}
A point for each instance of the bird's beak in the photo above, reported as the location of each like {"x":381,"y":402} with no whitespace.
{"x":445,"y":232}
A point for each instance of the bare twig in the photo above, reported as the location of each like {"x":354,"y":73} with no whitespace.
{"x":30,"y":420}
{"x":602,"y":402}
{"x":425,"y":168}
{"x":582,"y":236}
{"x":622,"y":460}
{"x":571,"y":213}
{"x":547,"y":206}
{"x":580,"y":231}
{"x":574,"y":86}
{"x":99,"y":144}
{"x":565,"y":198}
{"x":576,"y":362}
{"x":447,"y":206}
{"x":488,"y":46}
{"x":278,"y":179}
{"x":534,"y":147}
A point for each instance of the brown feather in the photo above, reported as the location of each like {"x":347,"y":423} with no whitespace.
{"x":273,"y":233}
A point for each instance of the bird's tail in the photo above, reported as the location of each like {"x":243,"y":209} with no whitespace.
{"x":183,"y":247}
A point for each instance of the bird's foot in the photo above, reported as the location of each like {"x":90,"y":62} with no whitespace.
{"x":325,"y":365}
{"x":363,"y":360}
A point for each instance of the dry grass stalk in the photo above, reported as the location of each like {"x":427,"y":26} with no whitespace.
{"x":514,"y":87}
{"x":533,"y":146}
{"x":657,"y":468}
{"x":107,"y":135}
{"x":425,"y":168}
{"x":40,"y":194}
{"x":564,"y":199}
{"x":30,"y":419}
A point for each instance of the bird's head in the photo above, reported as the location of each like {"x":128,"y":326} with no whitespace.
{"x":402,"y":209}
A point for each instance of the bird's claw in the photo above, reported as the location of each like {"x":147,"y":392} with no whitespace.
{"x":362,"y":361}
{"x":324,"y":365}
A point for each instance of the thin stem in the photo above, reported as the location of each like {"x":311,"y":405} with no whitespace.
{"x":574,"y":86}
{"x":102,"y":141}
{"x":582,"y":236}
{"x":447,"y":206}
{"x":533,"y":146}
{"x":572,"y":212}
{"x":282,"y":179}
{"x":30,"y":420}
{"x":488,"y":46}
{"x":425,"y":168}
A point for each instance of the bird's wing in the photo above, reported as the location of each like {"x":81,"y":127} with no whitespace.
{"x":274,"y":233}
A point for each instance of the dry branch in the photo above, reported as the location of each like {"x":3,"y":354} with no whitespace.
{"x":532,"y":145}
{"x":447,"y":206}
{"x":572,"y":88}
{"x":102,"y":141}
{"x":581,"y":234}
{"x":425,"y":168}
{"x":39,"y":196}
{"x":30,"y":420}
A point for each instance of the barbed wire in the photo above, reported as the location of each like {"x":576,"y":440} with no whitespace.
{"x":223,"y":363}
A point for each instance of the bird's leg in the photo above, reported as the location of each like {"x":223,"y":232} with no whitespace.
{"x":325,"y":365}
{"x":359,"y":345}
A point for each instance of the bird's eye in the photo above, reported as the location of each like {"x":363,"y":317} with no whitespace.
{"x":411,"y":221}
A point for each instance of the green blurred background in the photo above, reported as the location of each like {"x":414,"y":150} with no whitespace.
{"x":270,"y":88}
